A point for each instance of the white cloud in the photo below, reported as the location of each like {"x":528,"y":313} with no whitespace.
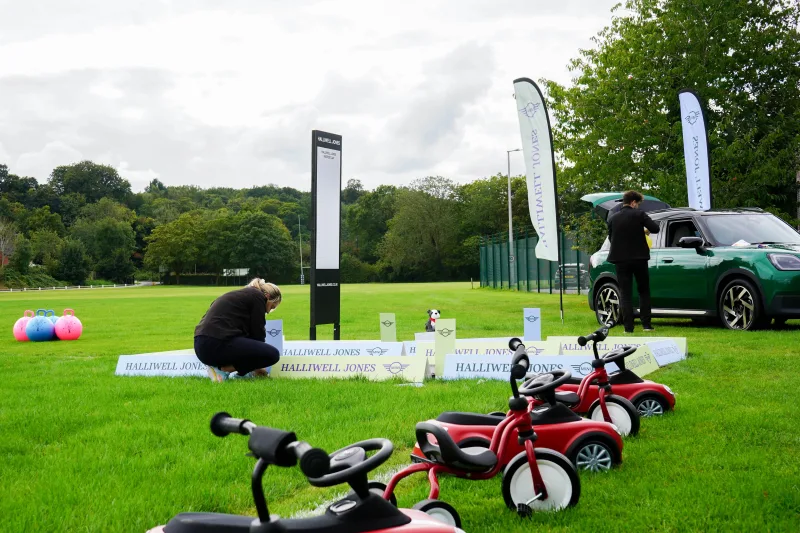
{"x":198,"y":93}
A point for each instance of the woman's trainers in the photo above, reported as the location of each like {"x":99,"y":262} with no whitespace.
{"x":235,"y":375}
{"x":217,"y":374}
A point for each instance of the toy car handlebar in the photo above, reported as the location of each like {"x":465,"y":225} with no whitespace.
{"x":597,"y":336}
{"x":223,"y":424}
{"x":276,"y":447}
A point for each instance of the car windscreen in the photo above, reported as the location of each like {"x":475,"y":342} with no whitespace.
{"x":753,"y":229}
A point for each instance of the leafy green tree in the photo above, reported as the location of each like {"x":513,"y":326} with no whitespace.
{"x":90,"y":179}
{"x":104,"y":237}
{"x":107,"y":208}
{"x":8,"y":238}
{"x":219,"y":239}
{"x":45,"y":245}
{"x":423,"y":241}
{"x":73,"y":264}
{"x":367,"y":221}
{"x":70,"y":207}
{"x":23,"y":253}
{"x":618,"y":126}
{"x":175,"y":245}
{"x":117,"y":268}
{"x":40,"y":219}
{"x":263,"y":245}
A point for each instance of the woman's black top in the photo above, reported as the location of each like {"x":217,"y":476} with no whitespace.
{"x":239,"y":313}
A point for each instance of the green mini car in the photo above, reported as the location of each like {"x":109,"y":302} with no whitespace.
{"x":737,"y":266}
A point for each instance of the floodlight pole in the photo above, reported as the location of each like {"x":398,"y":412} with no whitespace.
{"x":512,"y":267}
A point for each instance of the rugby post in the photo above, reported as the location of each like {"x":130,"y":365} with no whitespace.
{"x":326,"y":192}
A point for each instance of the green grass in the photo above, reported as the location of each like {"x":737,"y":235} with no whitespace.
{"x":84,"y":450}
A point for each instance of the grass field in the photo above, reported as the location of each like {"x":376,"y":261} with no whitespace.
{"x":84,"y":450}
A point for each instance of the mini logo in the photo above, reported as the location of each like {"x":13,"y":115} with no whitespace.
{"x":534,"y":351}
{"x":532,"y":318}
{"x":530,"y":109}
{"x":274,"y":332}
{"x":446,"y":332}
{"x":395,"y":368}
{"x":377,"y":350}
{"x":584,"y":369}
{"x":387,"y":323}
{"x":692,"y":117}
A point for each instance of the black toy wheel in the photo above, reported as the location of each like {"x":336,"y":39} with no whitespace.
{"x":739,"y":305}
{"x":651,"y":405}
{"x":379,"y":488}
{"x":607,"y":304}
{"x":623,"y":414}
{"x":594,"y":455}
{"x":440,"y":511}
{"x":559,"y":476}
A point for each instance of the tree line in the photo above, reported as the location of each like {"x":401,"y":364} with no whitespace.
{"x":85,"y":220}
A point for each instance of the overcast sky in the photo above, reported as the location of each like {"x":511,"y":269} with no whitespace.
{"x":226,"y":93}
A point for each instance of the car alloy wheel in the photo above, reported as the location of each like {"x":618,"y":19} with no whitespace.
{"x":738,"y":307}
{"x":608,"y":305}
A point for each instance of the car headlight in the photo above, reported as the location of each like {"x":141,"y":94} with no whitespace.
{"x":669,"y":390}
{"x":785,"y":261}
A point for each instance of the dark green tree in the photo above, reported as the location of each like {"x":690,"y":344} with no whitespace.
{"x":20,"y":260}
{"x":90,"y":179}
{"x":73,"y":264}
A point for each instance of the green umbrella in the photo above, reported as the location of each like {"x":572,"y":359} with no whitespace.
{"x":605,"y":203}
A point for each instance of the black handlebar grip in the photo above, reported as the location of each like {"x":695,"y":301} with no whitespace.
{"x":314,"y":462}
{"x":584,"y":340}
{"x":514,"y":344}
{"x":223,"y":424}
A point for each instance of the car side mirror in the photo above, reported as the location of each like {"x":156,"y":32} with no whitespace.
{"x":692,"y":242}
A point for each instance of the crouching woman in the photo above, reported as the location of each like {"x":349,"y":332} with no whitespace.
{"x":230,"y":336}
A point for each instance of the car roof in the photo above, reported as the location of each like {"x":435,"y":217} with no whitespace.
{"x":675,"y":212}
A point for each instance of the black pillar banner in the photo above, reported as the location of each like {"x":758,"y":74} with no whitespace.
{"x":326,"y":192}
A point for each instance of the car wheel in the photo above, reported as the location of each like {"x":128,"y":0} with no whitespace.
{"x":739,"y":305}
{"x":606,"y":304}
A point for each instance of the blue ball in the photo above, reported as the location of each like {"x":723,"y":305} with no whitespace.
{"x":40,"y":328}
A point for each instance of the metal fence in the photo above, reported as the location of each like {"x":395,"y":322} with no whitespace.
{"x":532,"y":274}
{"x":73,"y":287}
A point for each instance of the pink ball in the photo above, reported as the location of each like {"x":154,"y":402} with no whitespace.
{"x":68,"y":327}
{"x":19,"y":326}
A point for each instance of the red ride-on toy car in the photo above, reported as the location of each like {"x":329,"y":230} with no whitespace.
{"x":534,"y":479}
{"x":603,"y":405}
{"x":361,"y":511}
{"x":648,"y":397}
{"x":589,"y":444}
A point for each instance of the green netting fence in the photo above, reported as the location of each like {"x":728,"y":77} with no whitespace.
{"x":532,"y":274}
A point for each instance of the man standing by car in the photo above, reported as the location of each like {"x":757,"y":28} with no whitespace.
{"x":627,"y":233}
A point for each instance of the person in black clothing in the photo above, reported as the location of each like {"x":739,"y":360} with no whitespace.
{"x":627,"y":231}
{"x":230,"y":336}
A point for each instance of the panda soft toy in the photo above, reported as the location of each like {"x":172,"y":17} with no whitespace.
{"x":430,"y":325}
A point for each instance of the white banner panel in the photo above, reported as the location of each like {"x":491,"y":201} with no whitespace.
{"x":695,"y":151}
{"x":666,"y":352}
{"x":342,"y":348}
{"x":374,"y":368}
{"x":570,"y":346}
{"x":537,"y":146}
{"x":175,"y":364}
{"x":328,"y":206}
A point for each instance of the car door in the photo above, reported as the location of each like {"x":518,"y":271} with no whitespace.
{"x":679,"y":279}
